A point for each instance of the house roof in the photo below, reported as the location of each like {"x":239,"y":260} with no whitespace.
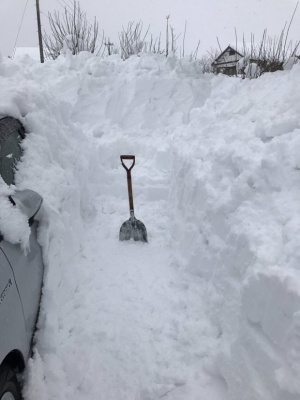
{"x":222,"y":54}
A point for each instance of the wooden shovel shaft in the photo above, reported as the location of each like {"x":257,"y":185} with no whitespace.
{"x":130,"y":194}
{"x":129,"y":181}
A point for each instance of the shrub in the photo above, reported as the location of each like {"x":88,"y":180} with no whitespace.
{"x":70,"y":32}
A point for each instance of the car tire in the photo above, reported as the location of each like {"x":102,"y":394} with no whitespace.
{"x":9,"y":385}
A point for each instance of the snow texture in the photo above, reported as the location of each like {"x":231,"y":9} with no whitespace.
{"x":210,"y":307}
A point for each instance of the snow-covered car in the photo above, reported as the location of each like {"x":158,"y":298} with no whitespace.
{"x":21,"y":273}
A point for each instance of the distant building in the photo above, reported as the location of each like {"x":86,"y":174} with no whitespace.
{"x":226,"y":62}
{"x":33,"y":52}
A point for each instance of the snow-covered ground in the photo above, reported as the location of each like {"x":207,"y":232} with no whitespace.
{"x":210,"y":307}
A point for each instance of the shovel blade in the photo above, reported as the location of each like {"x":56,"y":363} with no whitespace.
{"x":135,"y":229}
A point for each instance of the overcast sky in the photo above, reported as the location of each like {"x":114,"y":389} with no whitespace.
{"x":206,"y":19}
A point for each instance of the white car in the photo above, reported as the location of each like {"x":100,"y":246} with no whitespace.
{"x":21,"y":275}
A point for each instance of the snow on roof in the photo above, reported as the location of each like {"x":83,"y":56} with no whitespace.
{"x":32,"y":52}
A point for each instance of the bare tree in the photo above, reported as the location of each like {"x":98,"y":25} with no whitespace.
{"x":272,"y":53}
{"x":133,"y":40}
{"x":269,"y":54}
{"x":70,"y":31}
{"x":206,"y":60}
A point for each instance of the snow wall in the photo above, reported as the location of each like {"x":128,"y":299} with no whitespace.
{"x":235,"y":207}
{"x":231,"y":148}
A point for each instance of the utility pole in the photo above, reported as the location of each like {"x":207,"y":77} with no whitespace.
{"x":38,"y":15}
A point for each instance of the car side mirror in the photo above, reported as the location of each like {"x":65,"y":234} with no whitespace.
{"x":28,"y":201}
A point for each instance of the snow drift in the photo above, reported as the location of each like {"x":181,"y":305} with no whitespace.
{"x":218,"y":182}
{"x":239,"y":195}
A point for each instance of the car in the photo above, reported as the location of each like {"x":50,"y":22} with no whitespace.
{"x":21,"y":274}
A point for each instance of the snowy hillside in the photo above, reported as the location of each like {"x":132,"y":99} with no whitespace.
{"x":210,"y":307}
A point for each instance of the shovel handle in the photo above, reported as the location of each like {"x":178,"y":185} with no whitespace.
{"x":129,"y":183}
{"x":125,"y":157}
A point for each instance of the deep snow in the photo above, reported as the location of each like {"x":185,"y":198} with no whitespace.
{"x":209,"y":308}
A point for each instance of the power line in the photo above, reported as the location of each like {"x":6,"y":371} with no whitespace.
{"x":19,"y":29}
{"x":71,"y":8}
{"x":65,"y":6}
{"x":71,"y":2}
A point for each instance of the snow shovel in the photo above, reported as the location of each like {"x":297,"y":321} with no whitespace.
{"x":133,"y":228}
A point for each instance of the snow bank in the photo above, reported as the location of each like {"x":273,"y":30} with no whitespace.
{"x":235,"y":209}
{"x":143,"y":92}
{"x":227,"y":153}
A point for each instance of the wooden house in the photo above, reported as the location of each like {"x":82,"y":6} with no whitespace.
{"x":226,"y":62}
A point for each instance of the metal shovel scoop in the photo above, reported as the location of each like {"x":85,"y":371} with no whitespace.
{"x":133,"y":228}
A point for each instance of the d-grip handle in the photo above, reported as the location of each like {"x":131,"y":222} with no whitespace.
{"x":127,"y":157}
{"x":129,"y":183}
